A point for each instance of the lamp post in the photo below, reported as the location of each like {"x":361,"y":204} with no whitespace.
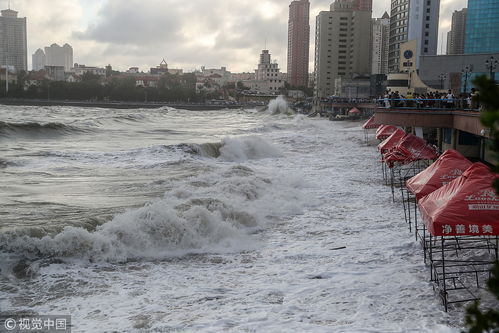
{"x":491,"y":65}
{"x":442,"y":78}
{"x":466,"y":71}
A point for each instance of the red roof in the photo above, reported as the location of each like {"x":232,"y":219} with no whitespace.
{"x":409,"y":149}
{"x":468,"y":205}
{"x":385,"y":131}
{"x":450,"y":165}
{"x":370,"y":124}
{"x":391,"y":141}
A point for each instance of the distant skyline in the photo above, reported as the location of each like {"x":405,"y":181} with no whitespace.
{"x":211,"y":33}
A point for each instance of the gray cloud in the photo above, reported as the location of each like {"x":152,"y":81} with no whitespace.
{"x":187,"y":33}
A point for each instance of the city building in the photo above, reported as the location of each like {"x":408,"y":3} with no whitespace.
{"x":482,"y":27}
{"x":13,"y":41}
{"x":381,"y":36}
{"x":298,"y":43}
{"x":268,"y":78}
{"x":161,"y":69}
{"x":342,"y":36}
{"x":56,"y":55}
{"x":82,"y":69}
{"x":38,"y":60}
{"x":56,"y":73}
{"x":413,"y":20}
{"x":455,"y":37}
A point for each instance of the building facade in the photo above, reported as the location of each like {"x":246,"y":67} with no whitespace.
{"x":413,"y":20}
{"x":268,"y":78}
{"x":482,"y":27}
{"x":59,"y":56}
{"x":38,"y":60}
{"x":455,"y":38}
{"x":13,"y":40}
{"x":342,"y":40}
{"x":381,"y":36}
{"x":298,"y":43}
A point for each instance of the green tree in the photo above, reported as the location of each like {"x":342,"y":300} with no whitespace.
{"x":488,"y":320}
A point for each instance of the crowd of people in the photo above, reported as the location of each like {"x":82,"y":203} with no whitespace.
{"x":431,"y":100}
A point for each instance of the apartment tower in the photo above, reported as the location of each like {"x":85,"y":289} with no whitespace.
{"x":298,"y":43}
{"x":381,"y":36}
{"x":455,"y":40}
{"x":342,"y":43}
{"x":413,"y":20}
{"x":59,"y":56}
{"x":13,"y":40}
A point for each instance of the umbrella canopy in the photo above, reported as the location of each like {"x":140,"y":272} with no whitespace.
{"x":354,"y":111}
{"x":370,"y":124}
{"x":468,"y":205}
{"x":384,"y":131}
{"x":391,"y":141}
{"x":409,"y":149}
{"x":450,"y":165}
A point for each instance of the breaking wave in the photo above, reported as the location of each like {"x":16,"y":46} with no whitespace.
{"x":35,"y":129}
{"x":212,"y":213}
{"x":280,"y":106}
{"x":237,"y":149}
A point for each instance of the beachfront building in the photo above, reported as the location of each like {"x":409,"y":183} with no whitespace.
{"x":342,"y":39}
{"x":298,"y":43}
{"x":38,"y":60}
{"x":13,"y":41}
{"x":82,"y":69}
{"x":268,"y":78}
{"x":482,"y":27}
{"x":455,"y":38}
{"x":413,"y":20}
{"x":381,"y":36}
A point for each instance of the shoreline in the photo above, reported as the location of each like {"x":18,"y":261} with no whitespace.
{"x":119,"y":105}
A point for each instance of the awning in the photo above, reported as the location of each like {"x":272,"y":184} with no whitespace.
{"x":384,"y":131}
{"x":468,"y":205}
{"x":450,"y":165}
{"x":391,"y":141}
{"x":370,"y":124}
{"x":409,"y":149}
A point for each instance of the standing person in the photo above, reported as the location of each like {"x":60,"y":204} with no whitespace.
{"x":473,"y":97}
{"x":450,"y":100}
{"x":387,"y":99}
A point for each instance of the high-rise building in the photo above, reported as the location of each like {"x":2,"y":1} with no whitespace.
{"x":39,"y":60}
{"x":381,"y":35}
{"x":413,"y":20}
{"x":59,"y":56}
{"x":455,"y":38}
{"x":342,"y":40}
{"x":268,"y":78}
{"x":482,"y":27}
{"x":13,"y":40}
{"x":298,"y":43}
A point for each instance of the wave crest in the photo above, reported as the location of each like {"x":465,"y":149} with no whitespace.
{"x":213,"y":213}
{"x":35,"y":129}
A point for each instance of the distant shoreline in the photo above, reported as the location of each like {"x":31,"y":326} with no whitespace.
{"x":119,"y":105}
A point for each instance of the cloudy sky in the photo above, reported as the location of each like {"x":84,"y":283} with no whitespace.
{"x":188,"y":34}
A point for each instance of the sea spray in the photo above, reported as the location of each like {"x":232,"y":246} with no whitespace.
{"x":279,"y":106}
{"x":213,"y":213}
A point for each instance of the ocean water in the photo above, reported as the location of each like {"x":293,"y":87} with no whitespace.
{"x":223,"y":221}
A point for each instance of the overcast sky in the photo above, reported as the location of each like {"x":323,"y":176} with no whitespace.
{"x":188,"y":34}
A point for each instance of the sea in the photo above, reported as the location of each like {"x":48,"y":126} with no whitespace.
{"x":169,"y":220}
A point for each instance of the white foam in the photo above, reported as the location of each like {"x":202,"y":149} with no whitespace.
{"x":279,"y":106}
{"x":212,"y":213}
{"x":245,"y":148}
